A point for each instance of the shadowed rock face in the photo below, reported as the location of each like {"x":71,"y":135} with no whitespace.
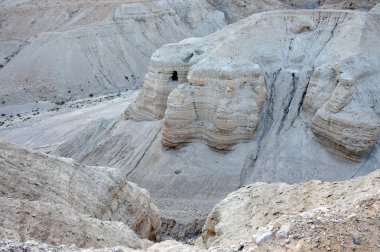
{"x":307,"y":62}
{"x":44,"y":197}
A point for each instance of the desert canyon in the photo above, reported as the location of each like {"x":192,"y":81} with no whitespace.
{"x":178,"y":125}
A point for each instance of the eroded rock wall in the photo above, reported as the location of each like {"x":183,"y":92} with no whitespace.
{"x":34,"y":180}
{"x":220,"y":105}
{"x":221,"y":100}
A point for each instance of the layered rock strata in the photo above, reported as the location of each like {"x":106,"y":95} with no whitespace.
{"x":340,"y":96}
{"x":168,"y":68}
{"x":313,"y":216}
{"x":220,"y":105}
{"x":226,"y":87}
{"x":97,"y":195}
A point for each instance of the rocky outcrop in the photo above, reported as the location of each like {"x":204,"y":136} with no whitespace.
{"x":313,"y":216}
{"x":220,"y":105}
{"x":22,"y":220}
{"x":168,"y":68}
{"x":263,"y":212}
{"x":345,"y":121}
{"x":40,"y":182}
{"x":221,"y":100}
{"x":104,"y":47}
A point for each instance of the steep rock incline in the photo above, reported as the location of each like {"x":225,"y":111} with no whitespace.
{"x":23,"y":220}
{"x":94,"y":47}
{"x":227,"y":83}
{"x":102,"y":193}
{"x":245,"y":214}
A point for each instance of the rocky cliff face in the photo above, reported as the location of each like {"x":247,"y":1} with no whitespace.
{"x":292,"y":95}
{"x":284,"y":92}
{"x":56,"y":201}
{"x":100,"y":47}
{"x":231,"y":74}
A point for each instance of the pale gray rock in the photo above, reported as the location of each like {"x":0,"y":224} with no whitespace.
{"x":102,"y":193}
{"x":255,"y":210}
{"x":57,"y":224}
{"x":95,"y":48}
{"x":184,"y":182}
{"x":100,"y":47}
{"x":221,"y":100}
{"x":220,"y":105}
{"x":263,"y":237}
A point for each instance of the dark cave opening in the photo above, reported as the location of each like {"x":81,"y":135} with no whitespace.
{"x":175,"y":76}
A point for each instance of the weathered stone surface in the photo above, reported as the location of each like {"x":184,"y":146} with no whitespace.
{"x":220,"y":102}
{"x":99,"y":47}
{"x":346,"y":120}
{"x":57,"y":224}
{"x":102,"y":193}
{"x":168,"y":68}
{"x":220,"y":105}
{"x":96,"y":47}
{"x":185,"y":182}
{"x":254,"y":209}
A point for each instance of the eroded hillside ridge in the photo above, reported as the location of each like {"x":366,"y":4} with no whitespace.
{"x":318,"y":67}
{"x":102,"y":47}
{"x":94,"y":47}
{"x":60,"y":202}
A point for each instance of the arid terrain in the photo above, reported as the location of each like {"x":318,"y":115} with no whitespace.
{"x":174,"y":125}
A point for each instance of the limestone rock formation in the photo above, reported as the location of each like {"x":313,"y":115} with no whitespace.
{"x":45,"y":184}
{"x":168,"y":68}
{"x":221,"y":99}
{"x":220,"y":105}
{"x":343,"y":98}
{"x":246,"y":214}
{"x":304,"y":59}
{"x":57,"y":224}
{"x":100,"y":47}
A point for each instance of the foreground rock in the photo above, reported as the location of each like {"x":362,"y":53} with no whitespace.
{"x":57,"y":201}
{"x":313,"y":216}
{"x":241,"y":215}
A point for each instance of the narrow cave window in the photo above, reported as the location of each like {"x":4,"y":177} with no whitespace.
{"x":175,"y":76}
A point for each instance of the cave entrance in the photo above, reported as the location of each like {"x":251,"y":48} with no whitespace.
{"x":175,"y":76}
